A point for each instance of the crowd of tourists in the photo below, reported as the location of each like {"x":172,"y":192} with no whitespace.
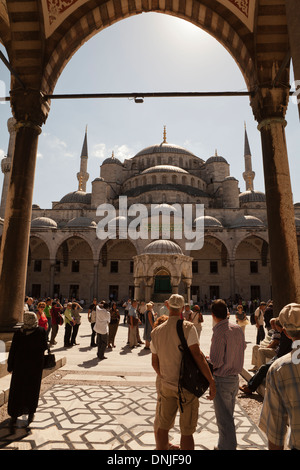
{"x":273,"y":358}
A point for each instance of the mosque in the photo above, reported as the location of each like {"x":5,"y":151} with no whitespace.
{"x":67,"y":259}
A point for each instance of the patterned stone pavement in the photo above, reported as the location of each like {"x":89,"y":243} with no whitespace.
{"x":110,"y":405}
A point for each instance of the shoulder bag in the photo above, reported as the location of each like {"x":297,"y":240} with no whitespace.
{"x":190,"y":376}
{"x":49,"y":360}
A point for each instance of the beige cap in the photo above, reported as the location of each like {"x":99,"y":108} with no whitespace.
{"x":176,"y":301}
{"x":289,"y":317}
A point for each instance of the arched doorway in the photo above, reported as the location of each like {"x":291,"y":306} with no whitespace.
{"x":162,"y":282}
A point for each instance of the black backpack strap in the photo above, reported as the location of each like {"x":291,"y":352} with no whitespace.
{"x":183,"y":346}
{"x":179,"y":327}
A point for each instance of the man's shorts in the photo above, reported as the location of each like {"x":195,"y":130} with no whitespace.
{"x":168,"y":404}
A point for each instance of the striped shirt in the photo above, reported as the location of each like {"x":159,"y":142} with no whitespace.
{"x":227,"y":349}
{"x":281,"y":407}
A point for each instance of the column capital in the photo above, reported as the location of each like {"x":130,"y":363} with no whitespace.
{"x":270,"y":103}
{"x":29,"y":107}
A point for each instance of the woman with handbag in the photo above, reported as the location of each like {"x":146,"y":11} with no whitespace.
{"x":26,"y":362}
{"x":41,"y":316}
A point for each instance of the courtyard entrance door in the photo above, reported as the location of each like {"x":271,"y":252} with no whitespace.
{"x":162,"y":285}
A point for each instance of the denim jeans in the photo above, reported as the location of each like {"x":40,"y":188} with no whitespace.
{"x":224,"y":403}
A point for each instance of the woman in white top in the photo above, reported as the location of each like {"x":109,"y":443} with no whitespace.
{"x":196,"y":317}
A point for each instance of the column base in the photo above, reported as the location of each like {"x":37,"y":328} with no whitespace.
{"x":6,"y":334}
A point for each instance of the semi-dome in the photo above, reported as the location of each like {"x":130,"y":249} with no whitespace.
{"x":43,"y":222}
{"x":81,"y":222}
{"x":76,"y":197}
{"x":247,"y":221}
{"x":209,"y":221}
{"x":163,"y":247}
{"x":164,"y":147}
{"x":164,"y":168}
{"x":164,"y":209}
{"x":112,"y":161}
{"x":252,"y":196}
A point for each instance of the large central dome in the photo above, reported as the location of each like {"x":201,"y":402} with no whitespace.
{"x":164,"y":147}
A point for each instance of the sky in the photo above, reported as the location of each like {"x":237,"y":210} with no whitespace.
{"x":150,"y":52}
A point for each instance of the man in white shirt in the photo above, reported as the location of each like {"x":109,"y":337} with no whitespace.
{"x":259,"y":320}
{"x":101,"y":328}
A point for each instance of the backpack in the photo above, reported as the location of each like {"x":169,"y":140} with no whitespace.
{"x":190,"y":376}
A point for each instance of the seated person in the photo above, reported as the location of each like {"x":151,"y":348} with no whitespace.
{"x":266,"y":349}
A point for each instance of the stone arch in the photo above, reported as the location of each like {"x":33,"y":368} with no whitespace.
{"x":66,"y":236}
{"x":213,"y":240}
{"x":261,"y":236}
{"x":79,"y":27}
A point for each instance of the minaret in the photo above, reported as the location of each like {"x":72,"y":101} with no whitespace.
{"x":83,"y":175}
{"x":248,"y":174}
{"x":6,"y":163}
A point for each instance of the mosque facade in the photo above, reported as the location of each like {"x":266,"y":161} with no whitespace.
{"x":67,"y":258}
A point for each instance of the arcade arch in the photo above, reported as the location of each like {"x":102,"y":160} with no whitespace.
{"x":38,"y":282}
{"x":73,"y":275}
{"x":116,"y":268}
{"x":211,"y":270}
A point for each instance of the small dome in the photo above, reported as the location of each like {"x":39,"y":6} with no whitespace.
{"x":81,"y":222}
{"x":230,"y":178}
{"x":247,"y":221}
{"x":98,"y":179}
{"x":209,"y":221}
{"x":216,"y":159}
{"x":112,"y":161}
{"x":77,"y":197}
{"x":163,"y":247}
{"x":43,"y":222}
{"x":252,"y":196}
{"x":164,"y":168}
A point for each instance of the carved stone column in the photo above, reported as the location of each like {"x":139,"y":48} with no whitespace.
{"x":30,"y":112}
{"x":293,"y":21}
{"x":269,"y":107}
